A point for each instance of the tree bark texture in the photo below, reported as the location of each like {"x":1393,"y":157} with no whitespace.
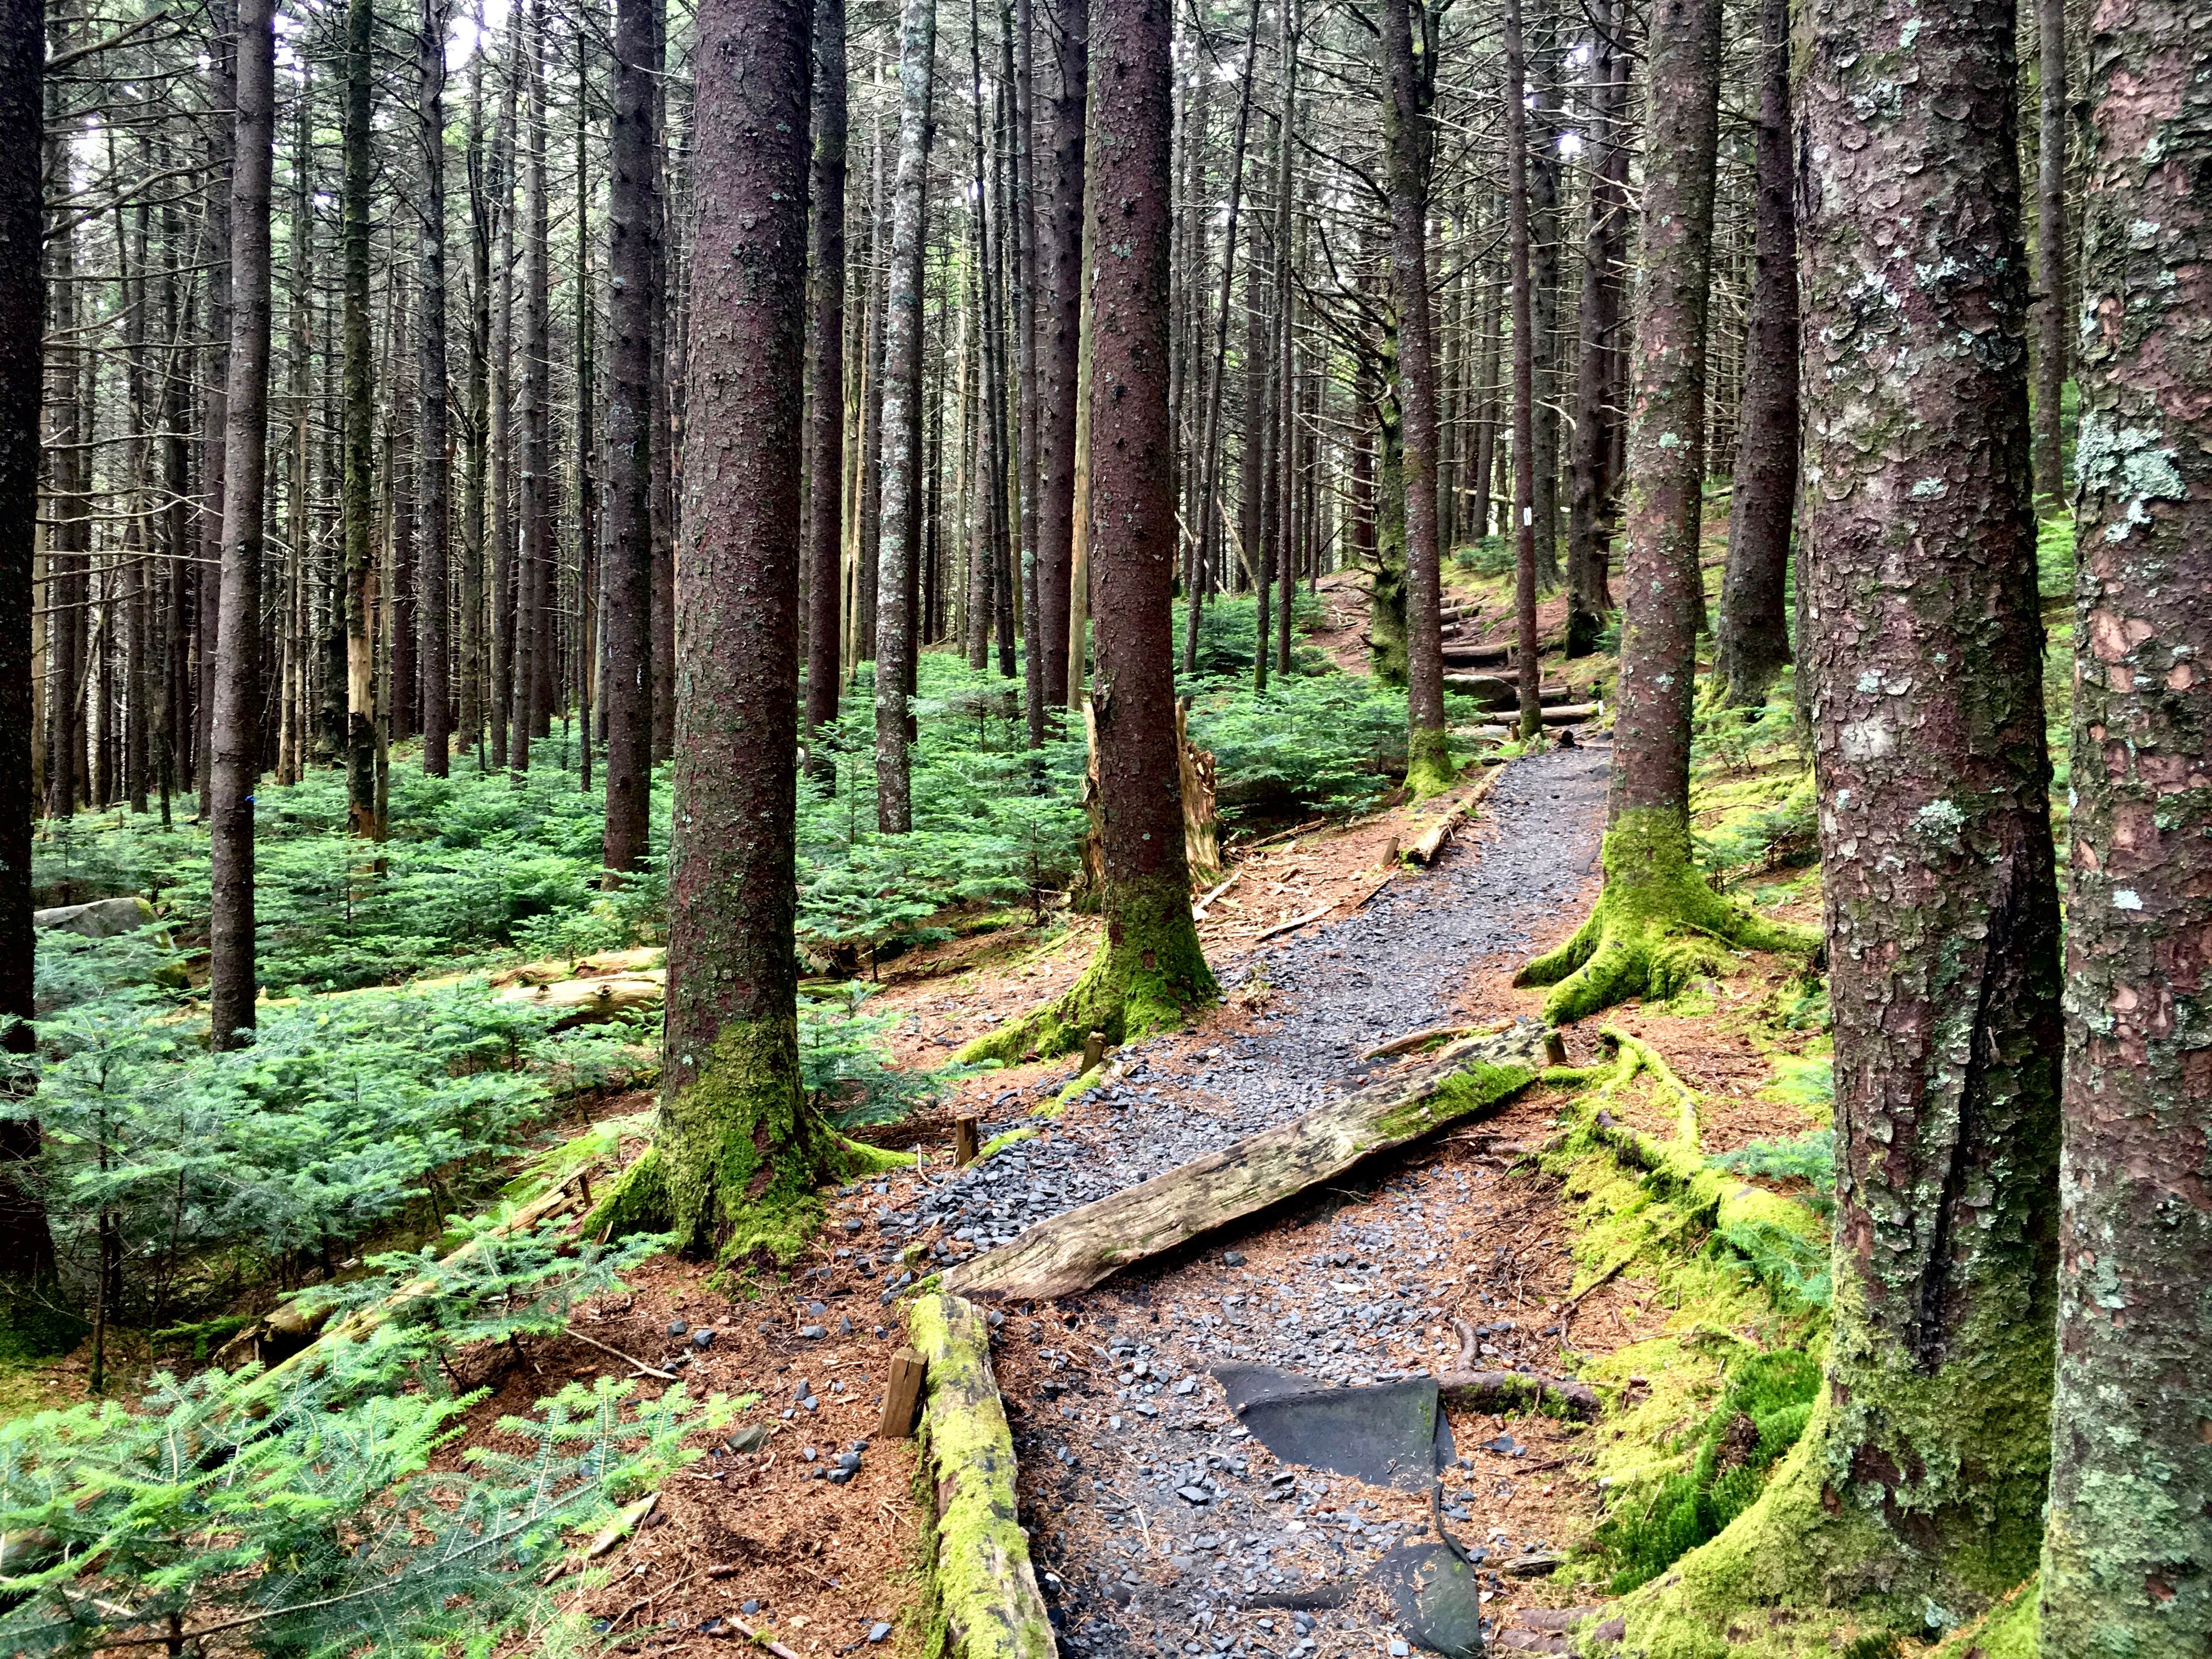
{"x":902,"y":384}
{"x":1587,"y":593}
{"x":237,"y":731}
{"x":736,"y":1143}
{"x":1942,"y":913}
{"x":26,"y":1249}
{"x":2053,"y":317}
{"x":357,"y":506}
{"x":629,"y":612}
{"x":1520,"y":271}
{"x":2127,"y":1550}
{"x":1752,"y":638}
{"x":1058,"y":213}
{"x":435,"y":660}
{"x":825,"y":371}
{"x":1410,"y":74}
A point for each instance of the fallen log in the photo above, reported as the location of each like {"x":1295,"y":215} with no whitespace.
{"x":1076,"y":1250}
{"x":1412,"y":1040}
{"x":1476,"y":656}
{"x":1510,"y":1391}
{"x":1573,"y":713}
{"x":980,"y":1580}
{"x":585,"y":1001}
{"x":1432,"y":840}
{"x":1501,"y":694}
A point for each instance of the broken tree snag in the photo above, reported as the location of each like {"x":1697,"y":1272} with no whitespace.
{"x":584,"y":1002}
{"x":1201,"y":822}
{"x":902,"y":1396}
{"x":1432,"y":840}
{"x":983,"y":1589}
{"x":1075,"y":1250}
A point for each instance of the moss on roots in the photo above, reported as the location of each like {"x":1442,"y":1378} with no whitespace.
{"x":1149,"y":973}
{"x":1429,"y":769}
{"x":1656,"y":926}
{"x":738,"y":1157}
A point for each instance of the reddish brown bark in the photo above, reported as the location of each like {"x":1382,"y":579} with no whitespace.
{"x":825,"y":376}
{"x":2127,"y":1554}
{"x":1059,"y":213}
{"x":237,"y":731}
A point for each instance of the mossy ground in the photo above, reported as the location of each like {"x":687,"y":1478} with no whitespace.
{"x":1656,"y":925}
{"x":1149,"y":975}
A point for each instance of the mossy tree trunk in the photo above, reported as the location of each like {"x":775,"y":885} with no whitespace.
{"x":1410,"y":74}
{"x":1150,"y":969}
{"x":1656,"y":921}
{"x":737,"y":1154}
{"x":1916,"y":1495}
{"x":1752,"y":641}
{"x":2127,"y":1553}
{"x":1386,"y":608}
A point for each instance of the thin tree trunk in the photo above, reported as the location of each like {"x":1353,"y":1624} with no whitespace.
{"x":1058,"y":213}
{"x":629,"y":614}
{"x":478,"y":428}
{"x":902,"y":366}
{"x":245,"y":440}
{"x":214,"y":425}
{"x":1519,"y":278}
{"x":27,"y":1247}
{"x":1544,"y":72}
{"x":1586,"y":535}
{"x":1752,"y":642}
{"x":358,"y":508}
{"x":2128,"y":1542}
{"x":663,"y":408}
{"x":870,"y":528}
{"x":534,"y":484}
{"x":433,"y":489}
{"x":825,"y":420}
{"x":505,"y":544}
{"x":1428,"y":754}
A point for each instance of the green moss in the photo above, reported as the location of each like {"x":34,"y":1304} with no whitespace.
{"x":999,"y":1143}
{"x":1067,"y":1096}
{"x":637,"y":1202}
{"x":1477,"y":1085}
{"x":2010,"y":1630}
{"x":983,"y":1597}
{"x":1149,"y":973}
{"x":1429,"y":768}
{"x":35,"y":1319}
{"x":1656,"y":924}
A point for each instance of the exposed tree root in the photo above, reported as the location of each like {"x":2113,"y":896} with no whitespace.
{"x":1429,"y":768}
{"x":1656,"y":926}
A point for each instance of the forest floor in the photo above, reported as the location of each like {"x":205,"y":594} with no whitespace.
{"x":1159,"y":1526}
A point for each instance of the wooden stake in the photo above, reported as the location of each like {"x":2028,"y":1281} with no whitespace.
{"x":1094,"y":1050}
{"x":964,"y":1140}
{"x":902,"y":1396}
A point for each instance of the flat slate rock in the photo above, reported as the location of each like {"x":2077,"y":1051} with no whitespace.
{"x":1438,"y":1598}
{"x":1389,"y":1434}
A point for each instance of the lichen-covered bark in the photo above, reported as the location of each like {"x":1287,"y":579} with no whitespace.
{"x":1386,"y":608}
{"x":1411,"y":76}
{"x":737,"y":1154}
{"x":1915,"y":1496}
{"x":1752,"y":636}
{"x":1150,"y":968}
{"x":2127,"y":1556}
{"x":901,"y":417}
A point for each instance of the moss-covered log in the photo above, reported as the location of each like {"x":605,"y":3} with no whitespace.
{"x":1074,"y":1251}
{"x":984,"y":1600}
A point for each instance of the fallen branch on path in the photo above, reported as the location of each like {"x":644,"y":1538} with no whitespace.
{"x":1432,"y":840}
{"x":1314,"y":914}
{"x":1076,"y":1250}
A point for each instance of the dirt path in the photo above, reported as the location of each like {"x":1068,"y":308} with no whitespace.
{"x":1160,"y":1526}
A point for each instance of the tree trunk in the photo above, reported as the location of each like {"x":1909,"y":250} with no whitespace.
{"x":902,"y":364}
{"x":27,"y":1247}
{"x":1519,"y":231}
{"x":357,"y":510}
{"x":737,"y":1154}
{"x":629,"y":611}
{"x":1752,"y":641}
{"x":2053,"y":317}
{"x":825,"y":357}
{"x":1059,"y":213}
{"x":1149,"y":968}
{"x":663,"y":410}
{"x":1654,"y":922}
{"x":1915,"y":1494}
{"x":505,"y":543}
{"x":215,"y":238}
{"x":869,"y":530}
{"x":434,"y":487}
{"x":1587,"y":551}
{"x":246,"y":441}
{"x":534,"y":484}
{"x":1406,"y":118}
{"x":474,"y":668}
{"x":2127,"y":1549}
{"x":1544,"y":60}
